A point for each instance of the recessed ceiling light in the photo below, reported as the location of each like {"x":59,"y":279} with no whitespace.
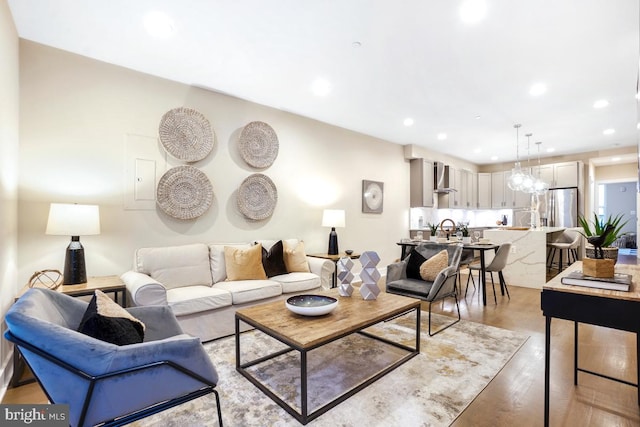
{"x":472,"y":11}
{"x":608,"y":131}
{"x":477,"y":117}
{"x":615,"y":159}
{"x":408,"y":121}
{"x":321,"y":87}
{"x":442,"y":136}
{"x":550,"y":150}
{"x":477,"y":150}
{"x":158,"y":24}
{"x":601,"y":103}
{"x":538,"y":89}
{"x":494,"y":158}
{"x":356,"y":44}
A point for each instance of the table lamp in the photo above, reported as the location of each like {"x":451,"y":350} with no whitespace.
{"x":333,"y":218}
{"x":73,"y":220}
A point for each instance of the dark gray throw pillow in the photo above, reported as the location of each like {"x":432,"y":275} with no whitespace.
{"x":413,"y":265}
{"x":273,"y":260}
{"x":107,"y":321}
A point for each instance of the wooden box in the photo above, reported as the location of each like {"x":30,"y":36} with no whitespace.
{"x":598,"y":267}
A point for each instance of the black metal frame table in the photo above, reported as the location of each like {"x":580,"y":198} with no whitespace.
{"x":600,"y":307}
{"x":351,"y":316}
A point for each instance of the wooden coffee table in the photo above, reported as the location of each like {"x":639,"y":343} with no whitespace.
{"x":304,"y":334}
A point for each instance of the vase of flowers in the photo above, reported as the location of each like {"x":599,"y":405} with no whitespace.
{"x":463,"y":227}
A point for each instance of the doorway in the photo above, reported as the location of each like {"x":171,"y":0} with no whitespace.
{"x":619,"y":198}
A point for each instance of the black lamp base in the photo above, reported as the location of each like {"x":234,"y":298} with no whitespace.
{"x":75,"y":271}
{"x":333,"y":242}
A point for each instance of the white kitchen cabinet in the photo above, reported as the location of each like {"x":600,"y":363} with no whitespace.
{"x":499,"y":190}
{"x":560,"y":175}
{"x":421,"y":183}
{"x":484,"y":190}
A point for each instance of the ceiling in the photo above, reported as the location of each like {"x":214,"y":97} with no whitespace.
{"x":385,"y":61}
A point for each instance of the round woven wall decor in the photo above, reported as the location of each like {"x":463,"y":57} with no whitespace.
{"x":184,"y":192}
{"x":186,"y":134}
{"x":258,"y":144}
{"x":257,"y":197}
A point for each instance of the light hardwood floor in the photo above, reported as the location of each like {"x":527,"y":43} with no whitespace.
{"x":515,"y":397}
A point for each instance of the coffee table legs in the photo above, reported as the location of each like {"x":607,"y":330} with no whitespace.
{"x":305,"y":416}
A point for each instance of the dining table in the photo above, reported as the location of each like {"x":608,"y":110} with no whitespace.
{"x":407,"y":247}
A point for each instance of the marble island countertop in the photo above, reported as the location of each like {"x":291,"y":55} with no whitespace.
{"x":542,"y":229}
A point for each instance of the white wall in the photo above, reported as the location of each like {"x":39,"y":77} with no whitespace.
{"x":9,"y":124}
{"x":76,"y":113}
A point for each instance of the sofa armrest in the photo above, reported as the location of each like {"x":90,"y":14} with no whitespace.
{"x":324,"y":268}
{"x":143,"y":289}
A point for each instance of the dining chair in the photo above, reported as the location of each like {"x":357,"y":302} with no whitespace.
{"x":497,"y":264}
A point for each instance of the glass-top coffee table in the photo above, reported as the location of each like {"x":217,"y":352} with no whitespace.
{"x":303,"y":334}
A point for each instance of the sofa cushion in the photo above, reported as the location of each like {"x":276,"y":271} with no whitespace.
{"x":244,"y":264}
{"x":216,"y":259}
{"x":273,"y":259}
{"x":196,"y":299}
{"x":434,"y":265}
{"x":297,"y":282}
{"x":176,"y":266}
{"x":413,"y":265}
{"x":107,"y":321}
{"x":295,"y":257}
{"x":243,"y":291}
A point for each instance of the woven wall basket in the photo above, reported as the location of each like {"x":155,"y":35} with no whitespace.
{"x":257,"y":197}
{"x":258,"y":144}
{"x":186,"y":134}
{"x":184,"y":192}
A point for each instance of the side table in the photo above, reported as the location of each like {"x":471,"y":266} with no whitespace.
{"x":335,"y":259}
{"x":107,"y":284}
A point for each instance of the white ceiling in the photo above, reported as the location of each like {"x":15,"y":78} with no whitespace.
{"x":416,"y":59}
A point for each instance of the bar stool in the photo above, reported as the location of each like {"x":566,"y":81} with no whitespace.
{"x":568,"y":241}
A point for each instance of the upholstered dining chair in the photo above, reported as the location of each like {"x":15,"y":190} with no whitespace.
{"x":105,"y":383}
{"x":406,"y":278}
{"x":569,"y":240}
{"x":497,"y":264}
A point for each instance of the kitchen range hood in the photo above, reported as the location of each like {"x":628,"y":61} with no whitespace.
{"x":441,"y":178}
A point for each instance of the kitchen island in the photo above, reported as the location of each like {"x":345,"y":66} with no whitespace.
{"x":527,"y":263}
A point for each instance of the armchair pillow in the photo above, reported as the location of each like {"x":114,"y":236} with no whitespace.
{"x":413,"y":265}
{"x":295,"y":257}
{"x":107,"y":321}
{"x":244,"y":264}
{"x":431,"y":267}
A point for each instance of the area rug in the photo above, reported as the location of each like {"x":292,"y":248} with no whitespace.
{"x":431,"y":389}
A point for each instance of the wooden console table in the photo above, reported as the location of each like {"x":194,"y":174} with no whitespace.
{"x":611,"y":309}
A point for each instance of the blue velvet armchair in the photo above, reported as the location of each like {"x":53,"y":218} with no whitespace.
{"x":103,"y":382}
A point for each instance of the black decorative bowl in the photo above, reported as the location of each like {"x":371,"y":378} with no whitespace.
{"x":311,"y":305}
{"x":348,"y":251}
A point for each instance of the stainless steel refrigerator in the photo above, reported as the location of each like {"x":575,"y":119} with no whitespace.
{"x":559,"y":208}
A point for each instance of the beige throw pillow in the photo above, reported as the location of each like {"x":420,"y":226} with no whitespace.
{"x":244,"y":264}
{"x":295,"y":259}
{"x":431,"y":267}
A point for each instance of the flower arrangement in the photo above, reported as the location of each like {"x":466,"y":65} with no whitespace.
{"x":464,"y":228}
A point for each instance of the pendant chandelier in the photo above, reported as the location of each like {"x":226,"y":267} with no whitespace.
{"x":517,"y":176}
{"x":528,"y":180}
{"x":539,"y":185}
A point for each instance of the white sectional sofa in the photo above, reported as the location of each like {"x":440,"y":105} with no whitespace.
{"x":195,"y":282}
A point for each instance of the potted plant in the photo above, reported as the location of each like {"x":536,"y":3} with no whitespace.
{"x":434,"y":231}
{"x":612,"y":228}
{"x":463,"y":227}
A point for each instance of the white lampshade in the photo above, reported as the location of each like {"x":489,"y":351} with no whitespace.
{"x":333,"y":218}
{"x":73,"y":220}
